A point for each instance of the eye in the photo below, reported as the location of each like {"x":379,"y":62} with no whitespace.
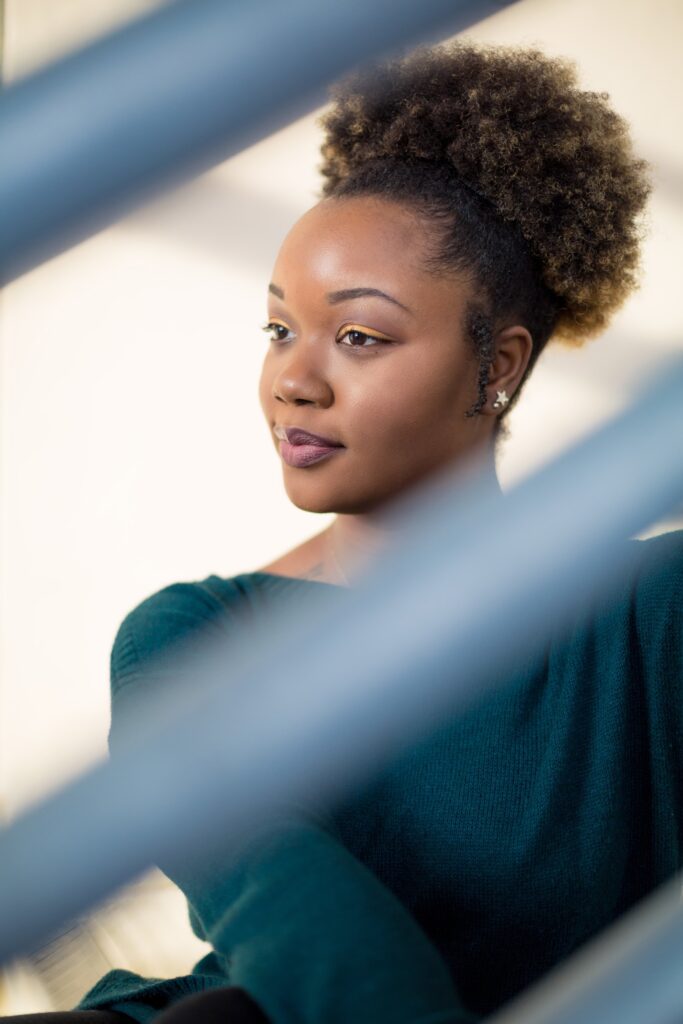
{"x":273,"y":326}
{"x":362,"y":334}
{"x":353,"y":333}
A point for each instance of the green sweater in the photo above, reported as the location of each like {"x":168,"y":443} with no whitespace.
{"x":476,"y":860}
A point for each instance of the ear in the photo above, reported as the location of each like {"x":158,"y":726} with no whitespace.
{"x":513,"y":347}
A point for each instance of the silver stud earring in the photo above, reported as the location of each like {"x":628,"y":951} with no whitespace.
{"x":501,"y":400}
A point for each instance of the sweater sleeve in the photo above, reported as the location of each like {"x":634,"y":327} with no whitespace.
{"x":306,"y":929}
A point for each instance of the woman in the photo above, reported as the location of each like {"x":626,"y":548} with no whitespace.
{"x":476,"y":204}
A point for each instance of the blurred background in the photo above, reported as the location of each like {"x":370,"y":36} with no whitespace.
{"x":129,"y":363}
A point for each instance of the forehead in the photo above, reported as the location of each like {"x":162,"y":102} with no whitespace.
{"x":347,"y":242}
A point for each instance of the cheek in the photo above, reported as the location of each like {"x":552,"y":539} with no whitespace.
{"x":413,"y":399}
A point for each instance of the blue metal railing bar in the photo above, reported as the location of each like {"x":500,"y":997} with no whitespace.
{"x":174,"y":93}
{"x":460,"y":590}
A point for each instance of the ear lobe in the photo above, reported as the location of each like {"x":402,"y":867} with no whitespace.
{"x":513,"y":348}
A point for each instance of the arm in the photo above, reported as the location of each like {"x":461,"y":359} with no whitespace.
{"x":308,"y":931}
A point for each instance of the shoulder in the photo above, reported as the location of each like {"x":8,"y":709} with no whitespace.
{"x":659,"y":562}
{"x":658,"y":585}
{"x":663,"y":545}
{"x":632,"y":609}
{"x":163,"y":620}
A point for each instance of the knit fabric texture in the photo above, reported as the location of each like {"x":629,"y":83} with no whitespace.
{"x":472,"y":863}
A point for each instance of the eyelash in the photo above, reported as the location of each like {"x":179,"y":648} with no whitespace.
{"x":381,"y":341}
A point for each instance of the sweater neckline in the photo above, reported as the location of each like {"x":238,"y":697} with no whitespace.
{"x":298,"y":579}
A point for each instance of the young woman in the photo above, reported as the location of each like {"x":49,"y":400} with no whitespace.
{"x":476,"y":204}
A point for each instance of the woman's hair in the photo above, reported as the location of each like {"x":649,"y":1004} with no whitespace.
{"x":531,"y":183}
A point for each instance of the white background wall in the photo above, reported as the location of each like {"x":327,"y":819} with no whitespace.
{"x":130,"y":366}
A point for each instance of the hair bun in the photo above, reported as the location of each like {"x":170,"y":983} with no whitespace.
{"x":515,"y":127}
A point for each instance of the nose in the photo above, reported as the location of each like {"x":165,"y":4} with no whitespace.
{"x":300,"y":379}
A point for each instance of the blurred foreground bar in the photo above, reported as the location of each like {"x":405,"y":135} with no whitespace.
{"x":175,"y":93}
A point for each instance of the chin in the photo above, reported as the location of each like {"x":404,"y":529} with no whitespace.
{"x":339,"y":504}
{"x":319,"y":505}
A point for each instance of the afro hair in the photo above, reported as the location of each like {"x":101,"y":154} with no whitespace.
{"x":555,"y":162}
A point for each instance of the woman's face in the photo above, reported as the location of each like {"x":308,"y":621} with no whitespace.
{"x":395,"y":395}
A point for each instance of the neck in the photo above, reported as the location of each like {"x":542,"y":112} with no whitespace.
{"x":356,"y":538}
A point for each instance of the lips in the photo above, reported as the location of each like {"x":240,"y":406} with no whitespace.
{"x":297,"y":436}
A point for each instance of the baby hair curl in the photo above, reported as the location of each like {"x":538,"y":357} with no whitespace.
{"x":531,"y":182}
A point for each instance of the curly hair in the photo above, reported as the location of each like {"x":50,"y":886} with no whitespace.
{"x":531,"y":183}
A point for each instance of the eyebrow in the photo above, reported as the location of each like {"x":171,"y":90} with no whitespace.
{"x":346,"y":293}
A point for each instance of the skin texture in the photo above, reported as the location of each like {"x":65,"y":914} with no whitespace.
{"x":399,"y":407}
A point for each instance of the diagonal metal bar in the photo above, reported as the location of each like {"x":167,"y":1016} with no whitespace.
{"x":174,"y":93}
{"x":257,"y":709}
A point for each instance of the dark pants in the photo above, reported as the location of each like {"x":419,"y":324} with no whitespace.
{"x":215,"y":1006}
